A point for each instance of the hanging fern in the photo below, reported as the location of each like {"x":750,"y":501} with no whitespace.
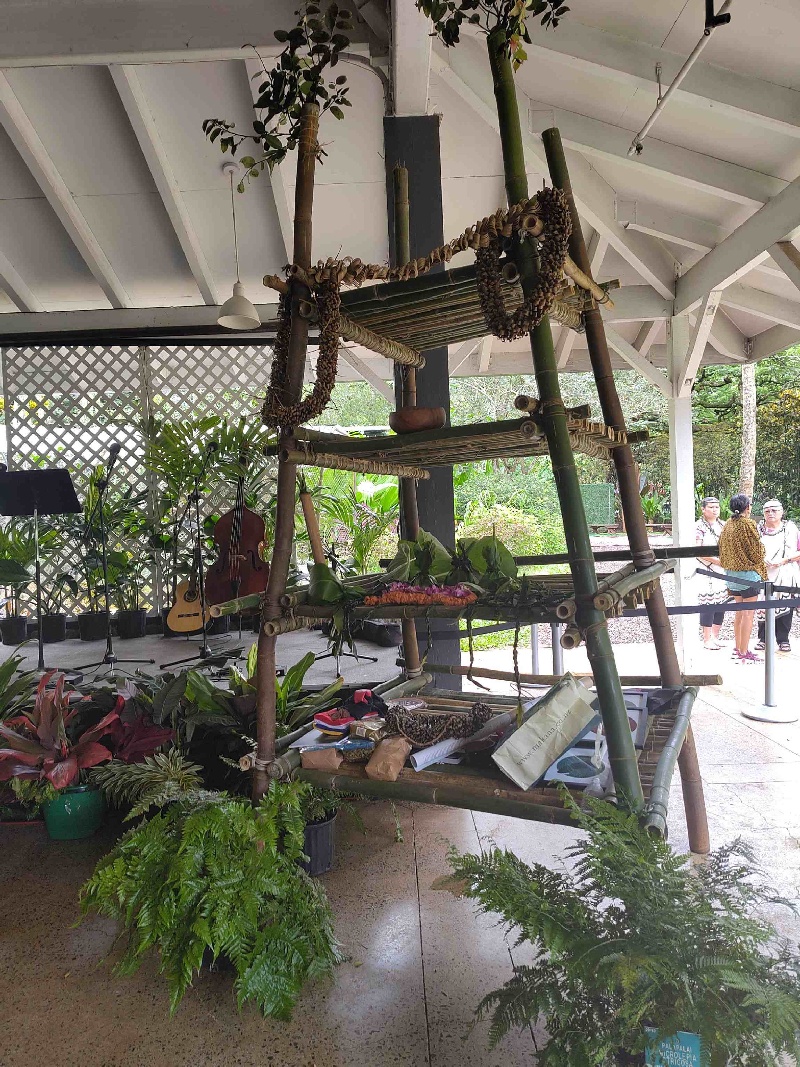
{"x":212,"y":876}
{"x":632,"y":937}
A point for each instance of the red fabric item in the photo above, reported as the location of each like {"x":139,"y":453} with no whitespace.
{"x":362,"y":696}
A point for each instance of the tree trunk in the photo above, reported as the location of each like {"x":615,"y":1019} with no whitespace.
{"x":747,"y":469}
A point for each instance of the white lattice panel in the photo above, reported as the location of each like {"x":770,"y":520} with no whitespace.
{"x":64,"y":406}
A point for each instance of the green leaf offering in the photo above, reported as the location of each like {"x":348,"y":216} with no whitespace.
{"x":492,"y":562}
{"x":324,"y":587}
{"x":431,"y":563}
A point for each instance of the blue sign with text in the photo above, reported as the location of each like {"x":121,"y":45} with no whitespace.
{"x":682,"y":1050}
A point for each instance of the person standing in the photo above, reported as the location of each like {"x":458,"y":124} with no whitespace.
{"x":742,"y":556}
{"x":781,"y":540}
{"x":712,"y":592}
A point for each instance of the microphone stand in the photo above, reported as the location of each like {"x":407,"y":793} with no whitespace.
{"x":109,"y":660}
{"x":205,"y":652}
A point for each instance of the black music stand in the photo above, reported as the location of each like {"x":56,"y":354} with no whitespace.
{"x":33,"y":493}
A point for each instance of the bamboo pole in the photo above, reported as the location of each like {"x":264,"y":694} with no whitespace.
{"x":234,"y":607}
{"x":335,"y":461}
{"x":628,"y":480}
{"x":658,"y":803}
{"x":618,"y":589}
{"x":409,"y":512}
{"x":643,"y":680}
{"x":438,"y":788}
{"x":622,"y":755}
{"x":287,"y":472}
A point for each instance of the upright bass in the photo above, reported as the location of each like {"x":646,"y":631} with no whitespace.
{"x":239,"y":535}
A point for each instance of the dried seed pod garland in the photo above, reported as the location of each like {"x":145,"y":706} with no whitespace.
{"x":554,"y":210}
{"x":274,"y":412}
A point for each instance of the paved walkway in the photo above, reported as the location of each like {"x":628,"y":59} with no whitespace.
{"x":419,"y":960}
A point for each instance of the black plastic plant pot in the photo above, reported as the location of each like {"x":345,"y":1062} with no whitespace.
{"x":92,"y":625}
{"x":132,"y":623}
{"x":54,"y":628}
{"x":319,"y":846}
{"x":14,"y":629}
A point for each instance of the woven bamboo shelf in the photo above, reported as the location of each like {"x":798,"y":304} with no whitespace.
{"x":456,"y":444}
{"x":442,"y":309}
{"x":487,"y":789}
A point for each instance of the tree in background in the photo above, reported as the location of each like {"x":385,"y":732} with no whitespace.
{"x":747,"y":466}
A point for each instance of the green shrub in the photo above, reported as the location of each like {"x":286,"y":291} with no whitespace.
{"x":633,"y":936}
{"x":523,"y":534}
{"x":212,"y":876}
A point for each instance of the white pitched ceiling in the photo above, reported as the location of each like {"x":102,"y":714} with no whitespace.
{"x":112,"y":201}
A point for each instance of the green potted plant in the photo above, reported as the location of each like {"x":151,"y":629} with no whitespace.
{"x":17,"y":557}
{"x":209,"y":855}
{"x":632,"y":944}
{"x":37,"y":747}
{"x":125,"y":575}
{"x":54,"y":619}
{"x":320,"y":808}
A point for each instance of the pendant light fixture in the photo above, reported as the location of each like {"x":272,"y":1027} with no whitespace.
{"x":237,"y":313}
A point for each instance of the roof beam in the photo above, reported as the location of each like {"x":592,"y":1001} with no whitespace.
{"x":637,"y":361}
{"x":632,"y":63}
{"x":485,"y":354}
{"x":690,"y":169}
{"x":411,"y":59}
{"x":774,"y":340}
{"x":741,"y":250}
{"x":595,"y":199}
{"x":26,"y":140}
{"x":369,"y":375}
{"x":462,"y":354}
{"x":280,"y":196}
{"x":126,"y":80}
{"x":765,"y":305}
{"x":16,"y":289}
{"x":646,"y":337}
{"x":726,"y":338}
{"x":685,"y":374}
{"x":69,"y":322}
{"x":636,"y":303}
{"x":788,"y":259}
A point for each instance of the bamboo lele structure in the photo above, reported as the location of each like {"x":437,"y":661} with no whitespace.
{"x":547,"y":428}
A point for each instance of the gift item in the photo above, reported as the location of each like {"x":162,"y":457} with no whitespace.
{"x":410,"y":703}
{"x":557,"y":720}
{"x":355,"y":749}
{"x":371,"y":729}
{"x":334,"y":723}
{"x":388,"y":759}
{"x":424,"y":728}
{"x":320,"y":759}
{"x":364,"y":703}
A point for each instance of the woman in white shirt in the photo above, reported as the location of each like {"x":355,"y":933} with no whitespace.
{"x":781,"y":540}
{"x":711,"y":592}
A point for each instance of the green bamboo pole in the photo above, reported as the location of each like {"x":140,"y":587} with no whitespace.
{"x":622,"y":755}
{"x":628,"y":479}
{"x":287,"y":472}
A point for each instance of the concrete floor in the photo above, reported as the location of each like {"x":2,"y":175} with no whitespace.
{"x":420,"y":960}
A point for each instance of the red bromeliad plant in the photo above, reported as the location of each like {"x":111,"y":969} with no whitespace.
{"x":36,"y":744}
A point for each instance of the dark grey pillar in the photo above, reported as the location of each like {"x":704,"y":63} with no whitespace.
{"x":413,"y":142}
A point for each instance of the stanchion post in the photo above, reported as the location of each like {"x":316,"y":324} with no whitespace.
{"x":769,"y":648}
{"x":558,"y":652}
{"x":534,"y":648}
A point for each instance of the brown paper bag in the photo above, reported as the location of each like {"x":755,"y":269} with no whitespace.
{"x":387,"y":760}
{"x":320,"y":759}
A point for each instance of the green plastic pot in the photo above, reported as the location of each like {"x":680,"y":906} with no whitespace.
{"x":76,"y":812}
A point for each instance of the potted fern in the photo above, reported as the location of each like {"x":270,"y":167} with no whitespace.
{"x":210,"y":855}
{"x":634,"y":937}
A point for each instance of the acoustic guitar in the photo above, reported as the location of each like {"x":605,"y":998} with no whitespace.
{"x":186,"y":615}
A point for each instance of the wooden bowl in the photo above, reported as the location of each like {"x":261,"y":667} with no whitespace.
{"x":410,"y":420}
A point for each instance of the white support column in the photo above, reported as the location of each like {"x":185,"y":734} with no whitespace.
{"x":681,"y":466}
